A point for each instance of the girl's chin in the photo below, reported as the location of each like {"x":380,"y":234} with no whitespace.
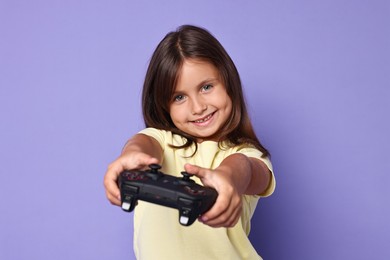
{"x":200,"y":139}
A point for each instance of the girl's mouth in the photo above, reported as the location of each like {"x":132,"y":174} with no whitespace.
{"x":204,"y":119}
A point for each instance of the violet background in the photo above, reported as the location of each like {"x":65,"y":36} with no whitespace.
{"x":316,"y":76}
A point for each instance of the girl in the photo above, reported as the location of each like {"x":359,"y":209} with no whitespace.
{"x":197,"y":121}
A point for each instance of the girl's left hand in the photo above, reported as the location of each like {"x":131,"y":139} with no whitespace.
{"x":227,"y":209}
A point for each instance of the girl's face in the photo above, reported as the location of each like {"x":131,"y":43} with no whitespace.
{"x":200,"y":104}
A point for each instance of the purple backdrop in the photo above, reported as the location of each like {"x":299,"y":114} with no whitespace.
{"x":316,"y":76}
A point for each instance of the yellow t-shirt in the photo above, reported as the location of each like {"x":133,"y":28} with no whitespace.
{"x":157,"y":231}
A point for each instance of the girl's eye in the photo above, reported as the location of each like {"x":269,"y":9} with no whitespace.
{"x":178,"y":98}
{"x":207,"y":87}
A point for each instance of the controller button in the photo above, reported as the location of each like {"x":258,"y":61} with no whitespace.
{"x":194,"y":191}
{"x":188,"y":189}
{"x":133,"y":176}
{"x":141,"y":177}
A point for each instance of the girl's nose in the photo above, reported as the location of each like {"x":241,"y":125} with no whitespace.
{"x":198,"y":106}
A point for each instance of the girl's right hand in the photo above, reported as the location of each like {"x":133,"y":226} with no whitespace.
{"x":127,"y":161}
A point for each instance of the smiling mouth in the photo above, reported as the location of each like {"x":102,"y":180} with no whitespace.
{"x":204,"y":119}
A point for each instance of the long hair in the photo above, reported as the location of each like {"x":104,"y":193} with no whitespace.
{"x":191,"y":42}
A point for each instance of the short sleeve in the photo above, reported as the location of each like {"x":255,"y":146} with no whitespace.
{"x":255,"y":153}
{"x":159,"y":135}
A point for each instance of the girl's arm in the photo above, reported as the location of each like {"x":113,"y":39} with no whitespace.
{"x":140,"y":151}
{"x":251,"y":175}
{"x":236,"y":175}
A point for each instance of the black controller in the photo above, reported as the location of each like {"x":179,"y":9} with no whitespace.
{"x":152,"y":185}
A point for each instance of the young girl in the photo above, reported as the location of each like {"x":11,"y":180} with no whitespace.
{"x":197,"y":121}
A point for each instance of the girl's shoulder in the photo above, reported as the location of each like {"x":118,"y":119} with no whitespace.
{"x":164,"y":137}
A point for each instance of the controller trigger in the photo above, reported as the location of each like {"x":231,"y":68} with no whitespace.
{"x":126,"y":206}
{"x":184,"y":220}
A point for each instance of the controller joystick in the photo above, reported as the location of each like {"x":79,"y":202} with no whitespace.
{"x":190,"y":198}
{"x":154,"y":167}
{"x":154,"y":172}
{"x":187,"y":177}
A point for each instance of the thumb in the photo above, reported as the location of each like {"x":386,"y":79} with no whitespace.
{"x":149,"y":160}
{"x":202,"y":173}
{"x":139,"y":161}
{"x":195,"y":170}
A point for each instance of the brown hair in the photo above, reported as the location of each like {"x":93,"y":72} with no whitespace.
{"x":191,"y":42}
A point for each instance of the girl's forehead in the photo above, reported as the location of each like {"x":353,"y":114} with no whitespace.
{"x":195,"y":68}
{"x":193,"y":73}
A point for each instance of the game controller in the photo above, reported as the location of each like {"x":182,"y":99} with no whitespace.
{"x":152,"y":185}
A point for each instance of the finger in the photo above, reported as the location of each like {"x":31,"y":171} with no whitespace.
{"x":111,"y":186}
{"x":227,"y":218}
{"x":220,"y":206}
{"x":201,"y":173}
{"x":113,"y":199}
{"x":112,"y":192}
{"x":134,"y":162}
{"x":113,"y":172}
{"x":192,"y":169}
{"x":230,"y":220}
{"x":146,"y":160}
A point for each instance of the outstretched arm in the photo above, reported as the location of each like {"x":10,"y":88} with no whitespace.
{"x":140,"y":151}
{"x":236,"y":175}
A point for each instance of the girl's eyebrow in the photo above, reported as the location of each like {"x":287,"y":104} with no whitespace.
{"x":208,"y":80}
